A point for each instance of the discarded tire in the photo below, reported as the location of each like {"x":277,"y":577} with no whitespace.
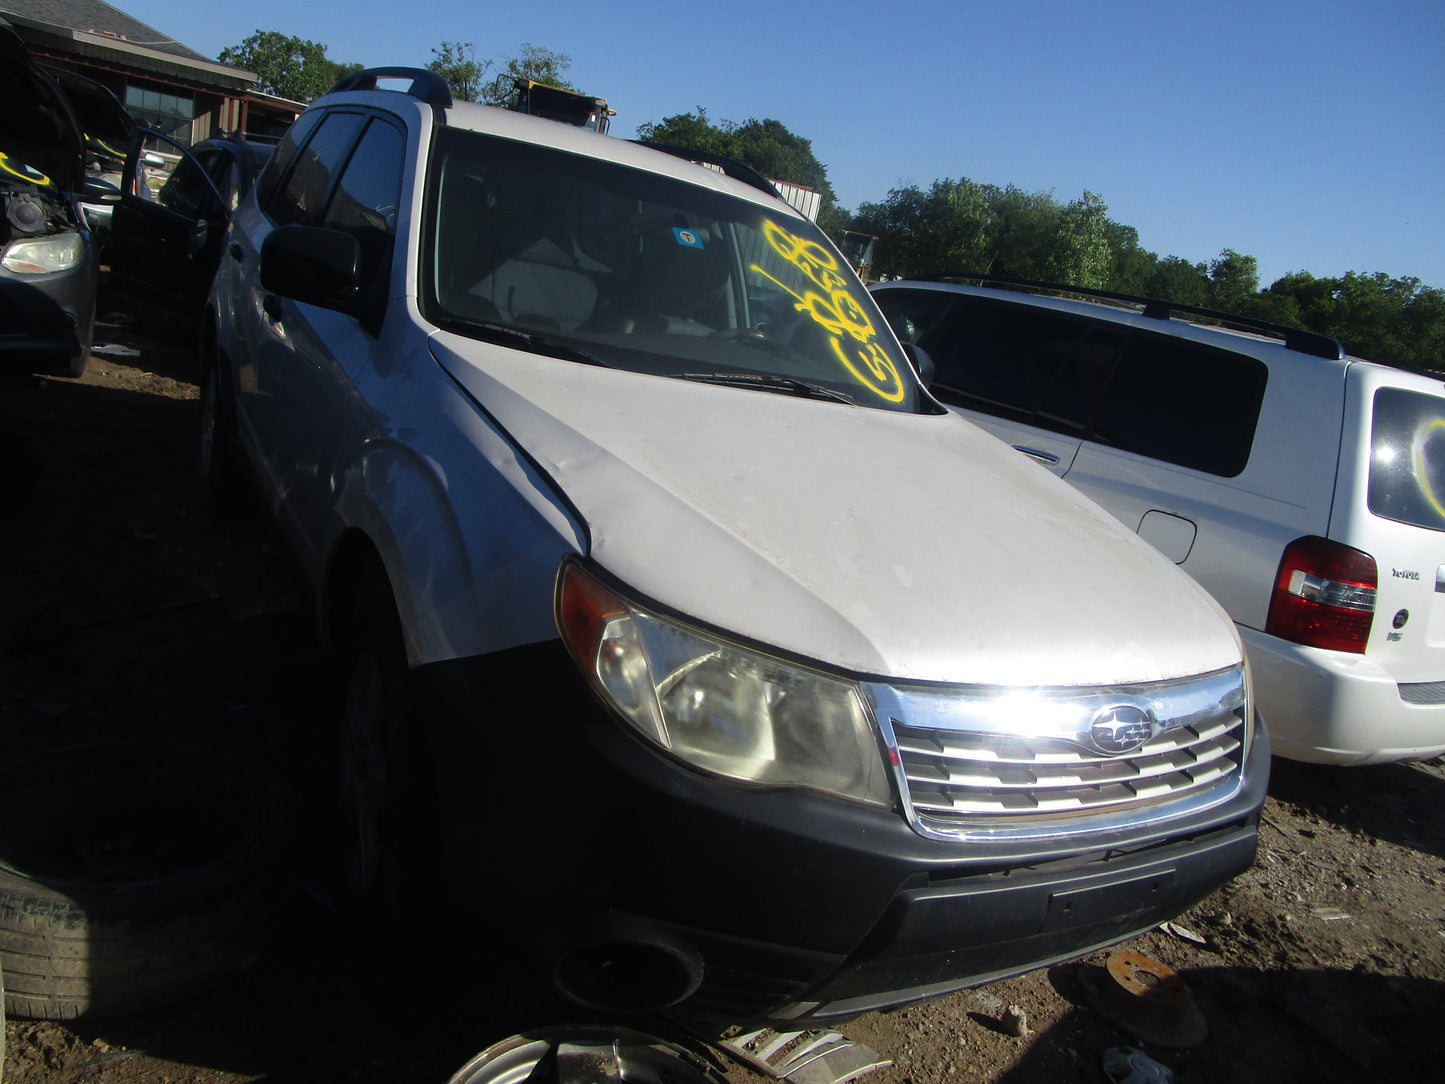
{"x":135,"y":874}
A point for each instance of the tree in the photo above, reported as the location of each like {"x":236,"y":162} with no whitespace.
{"x":1130,"y":264}
{"x":692,"y":130}
{"x":765,"y":145}
{"x":1079,"y":251}
{"x":285,"y":66}
{"x":537,"y":63}
{"x":1233,"y":282}
{"x":1176,"y":279}
{"x":456,"y":62}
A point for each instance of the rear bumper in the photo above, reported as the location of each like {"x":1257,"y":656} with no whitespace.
{"x":1331,"y":707}
{"x":633,"y":882}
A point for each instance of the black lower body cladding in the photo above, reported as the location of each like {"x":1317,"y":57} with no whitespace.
{"x":632,"y":882}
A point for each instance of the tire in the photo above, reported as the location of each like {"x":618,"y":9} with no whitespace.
{"x":135,"y":875}
{"x":380,"y":846}
{"x":218,"y":460}
{"x":74,"y":368}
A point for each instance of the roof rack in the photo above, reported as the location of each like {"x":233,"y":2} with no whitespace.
{"x":426,"y":85}
{"x":1297,"y":339}
{"x":730,"y":166}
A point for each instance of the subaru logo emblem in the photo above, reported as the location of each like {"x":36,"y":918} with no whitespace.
{"x":1120,"y":729}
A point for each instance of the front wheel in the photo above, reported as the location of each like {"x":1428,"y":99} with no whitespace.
{"x":377,"y":822}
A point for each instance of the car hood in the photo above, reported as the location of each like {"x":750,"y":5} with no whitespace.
{"x":38,"y":129}
{"x":909,"y":547}
{"x":105,"y":125}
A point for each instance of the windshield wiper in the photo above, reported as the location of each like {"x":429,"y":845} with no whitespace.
{"x":785,"y":385}
{"x":533,"y":343}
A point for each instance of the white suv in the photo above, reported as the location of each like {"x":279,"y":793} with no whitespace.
{"x":1303,"y":488}
{"x":724,"y":669}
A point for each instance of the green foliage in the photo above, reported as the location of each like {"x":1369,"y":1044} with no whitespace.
{"x":1233,"y":282}
{"x":536,"y":63}
{"x":959,"y":225}
{"x":457,"y":63}
{"x":765,"y":145}
{"x":1400,"y":321}
{"x":1176,"y":279}
{"x":285,"y":66}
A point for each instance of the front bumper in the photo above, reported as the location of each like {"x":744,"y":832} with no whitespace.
{"x":50,"y":317}
{"x":634,"y":882}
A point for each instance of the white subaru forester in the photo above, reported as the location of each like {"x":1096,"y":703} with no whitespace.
{"x":718,"y":667}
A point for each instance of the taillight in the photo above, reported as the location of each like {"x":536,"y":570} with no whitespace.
{"x":1324,"y":595}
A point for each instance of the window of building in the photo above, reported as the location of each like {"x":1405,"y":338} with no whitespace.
{"x":169,"y":114}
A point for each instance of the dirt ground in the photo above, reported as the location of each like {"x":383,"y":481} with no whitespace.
{"x":127,"y":606}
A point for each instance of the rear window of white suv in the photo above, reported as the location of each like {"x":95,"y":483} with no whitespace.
{"x":1407,"y":458}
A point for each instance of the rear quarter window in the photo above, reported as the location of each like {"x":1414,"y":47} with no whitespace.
{"x":1407,"y":458}
{"x":1183,"y":403}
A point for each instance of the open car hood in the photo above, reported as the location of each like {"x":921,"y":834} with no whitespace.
{"x":38,"y":127}
{"x":105,"y":124}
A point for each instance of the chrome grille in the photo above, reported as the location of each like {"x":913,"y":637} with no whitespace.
{"x":970,"y":774}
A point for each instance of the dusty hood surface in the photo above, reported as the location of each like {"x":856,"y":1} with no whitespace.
{"x":891,"y":545}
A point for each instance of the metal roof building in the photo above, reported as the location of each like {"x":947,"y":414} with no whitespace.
{"x":162,"y":83}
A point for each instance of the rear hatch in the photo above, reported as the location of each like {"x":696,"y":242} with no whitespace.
{"x":1390,"y":503}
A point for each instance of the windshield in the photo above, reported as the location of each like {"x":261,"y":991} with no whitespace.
{"x":635,"y":271}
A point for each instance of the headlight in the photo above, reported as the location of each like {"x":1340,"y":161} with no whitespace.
{"x":717,"y":705}
{"x":44,"y":254}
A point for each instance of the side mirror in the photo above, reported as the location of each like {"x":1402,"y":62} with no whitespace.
{"x":313,"y":265}
{"x":922,"y":364}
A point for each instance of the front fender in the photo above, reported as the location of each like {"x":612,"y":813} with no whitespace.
{"x":471,"y":549}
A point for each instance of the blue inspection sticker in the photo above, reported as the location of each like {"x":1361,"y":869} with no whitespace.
{"x":686,"y":237}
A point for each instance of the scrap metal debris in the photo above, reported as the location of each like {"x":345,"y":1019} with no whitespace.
{"x":803,"y":1057}
{"x":1129,"y":1065}
{"x":1147,"y":999}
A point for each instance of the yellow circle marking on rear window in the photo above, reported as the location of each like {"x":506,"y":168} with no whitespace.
{"x":17,"y":168}
{"x":836,"y":310}
{"x":1422,"y":437}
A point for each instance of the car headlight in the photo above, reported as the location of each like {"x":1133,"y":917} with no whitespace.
{"x":44,"y":255}
{"x":719,"y":706}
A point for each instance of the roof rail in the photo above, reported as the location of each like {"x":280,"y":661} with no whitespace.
{"x":1297,"y":339}
{"x":730,"y":166}
{"x":425,"y":85}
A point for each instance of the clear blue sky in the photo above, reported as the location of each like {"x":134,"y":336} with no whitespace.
{"x":1310,"y":135}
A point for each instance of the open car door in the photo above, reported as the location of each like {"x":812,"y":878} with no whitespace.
{"x":167,"y":230}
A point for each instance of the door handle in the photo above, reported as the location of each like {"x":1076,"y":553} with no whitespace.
{"x":271,"y":306}
{"x":1035,"y":453}
{"x":235,"y":251}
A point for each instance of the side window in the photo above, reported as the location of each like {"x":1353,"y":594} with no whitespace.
{"x":304,"y":192}
{"x":913,"y":313}
{"x":1007,"y":360}
{"x":187,"y":191}
{"x":1183,"y":403}
{"x":269,"y":183}
{"x":365,"y":201}
{"x":223,"y":169}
